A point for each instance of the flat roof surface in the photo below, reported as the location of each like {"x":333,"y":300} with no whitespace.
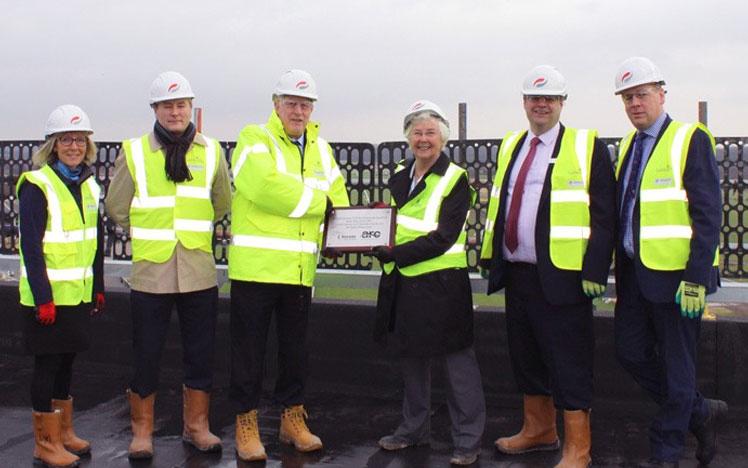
{"x":349,"y":420}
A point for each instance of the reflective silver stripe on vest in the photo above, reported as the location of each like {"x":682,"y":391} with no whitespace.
{"x":575,"y":196}
{"x":674,"y":231}
{"x":57,"y":234}
{"x":309,"y":183}
{"x":668,"y":194}
{"x":258,"y":148}
{"x":570,"y":232}
{"x":489,"y":225}
{"x":675,"y":193}
{"x":53,"y":203}
{"x":435,"y":201}
{"x":274,"y":243}
{"x":415,"y":224}
{"x":455,"y":249}
{"x":65,"y":274}
{"x":185,"y":191}
{"x":581,"y":152}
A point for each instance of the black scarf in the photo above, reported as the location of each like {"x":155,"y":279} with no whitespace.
{"x":175,"y":148}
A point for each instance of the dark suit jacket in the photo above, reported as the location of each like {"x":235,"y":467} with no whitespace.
{"x":701,"y":181}
{"x":563,"y":287}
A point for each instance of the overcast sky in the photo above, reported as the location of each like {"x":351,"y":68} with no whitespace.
{"x":371,"y":60}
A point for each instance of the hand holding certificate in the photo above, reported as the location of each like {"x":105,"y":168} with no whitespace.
{"x":359,"y":229}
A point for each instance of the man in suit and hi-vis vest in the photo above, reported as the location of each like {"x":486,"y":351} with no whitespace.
{"x":669,"y":210}
{"x":548,"y":240}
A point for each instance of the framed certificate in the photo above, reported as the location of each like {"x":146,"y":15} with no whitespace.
{"x":359,"y":229}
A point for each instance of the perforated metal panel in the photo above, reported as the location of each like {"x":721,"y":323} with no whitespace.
{"x":367,"y":170}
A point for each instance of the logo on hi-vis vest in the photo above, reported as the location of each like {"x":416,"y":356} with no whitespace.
{"x":539,"y":82}
{"x":302,"y":85}
{"x":626,"y":76}
{"x":173,"y":87}
{"x":75,"y":120}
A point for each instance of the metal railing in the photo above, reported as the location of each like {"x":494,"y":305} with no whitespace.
{"x":367,"y":169}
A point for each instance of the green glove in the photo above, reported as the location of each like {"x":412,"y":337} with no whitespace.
{"x":483,"y":272}
{"x":692,"y":299}
{"x":592,"y":289}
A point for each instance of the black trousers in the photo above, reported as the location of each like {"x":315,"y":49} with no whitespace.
{"x":252,"y":307}
{"x":657,"y":346}
{"x":551,"y":346}
{"x":51,"y":379}
{"x":151,"y":314}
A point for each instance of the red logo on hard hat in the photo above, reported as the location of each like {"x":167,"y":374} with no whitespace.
{"x":173,"y":87}
{"x":626,"y":76}
{"x":302,"y":85}
{"x":76,"y":119}
{"x":417,"y":105}
{"x":539,"y":82}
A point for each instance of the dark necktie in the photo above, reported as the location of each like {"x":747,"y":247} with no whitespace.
{"x":629,"y":195}
{"x":510,"y":235}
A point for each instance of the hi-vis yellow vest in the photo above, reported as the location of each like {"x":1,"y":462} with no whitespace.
{"x":420,"y":215}
{"x":664,"y":222}
{"x":277,"y":210}
{"x":163,"y":212}
{"x":570,"y":200}
{"x":69,"y":243}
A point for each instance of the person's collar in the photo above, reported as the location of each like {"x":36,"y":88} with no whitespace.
{"x":654,"y":129}
{"x":439,"y":167}
{"x":549,"y":137}
{"x":156,"y":145}
{"x":276,"y":127}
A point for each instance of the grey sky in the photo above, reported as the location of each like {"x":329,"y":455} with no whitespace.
{"x":371,"y":59}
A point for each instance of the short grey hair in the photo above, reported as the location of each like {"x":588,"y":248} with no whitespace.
{"x":426,"y":115}
{"x":46,"y":153}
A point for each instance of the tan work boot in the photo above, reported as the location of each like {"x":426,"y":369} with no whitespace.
{"x":248,"y":445}
{"x":48,"y":448}
{"x":538,"y":428}
{"x":141,"y":419}
{"x":293,"y":430}
{"x":577,"y":440}
{"x":196,"y":432}
{"x":70,"y":440}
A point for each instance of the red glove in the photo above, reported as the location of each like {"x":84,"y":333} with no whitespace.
{"x":45,"y":313}
{"x":99,"y":306}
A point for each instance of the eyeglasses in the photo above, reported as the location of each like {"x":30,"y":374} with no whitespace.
{"x":639,"y":95}
{"x":302,"y":105}
{"x":67,"y":140}
{"x":543,"y":98}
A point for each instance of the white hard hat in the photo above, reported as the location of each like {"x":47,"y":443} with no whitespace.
{"x":170,"y":85}
{"x":544,"y":80}
{"x":67,"y":118}
{"x":296,"y":83}
{"x":637,"y":71}
{"x":423,"y":105}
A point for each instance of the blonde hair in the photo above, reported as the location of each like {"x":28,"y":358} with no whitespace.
{"x":46,"y":153}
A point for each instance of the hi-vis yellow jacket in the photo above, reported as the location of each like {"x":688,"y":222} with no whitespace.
{"x":278,"y":207}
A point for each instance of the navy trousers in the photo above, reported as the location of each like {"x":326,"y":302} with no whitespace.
{"x":657,"y":346}
{"x":151,"y":315}
{"x":551,"y":347}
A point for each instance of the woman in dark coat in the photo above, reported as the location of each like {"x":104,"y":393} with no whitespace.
{"x":424,"y":306}
{"x":62,"y":280}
